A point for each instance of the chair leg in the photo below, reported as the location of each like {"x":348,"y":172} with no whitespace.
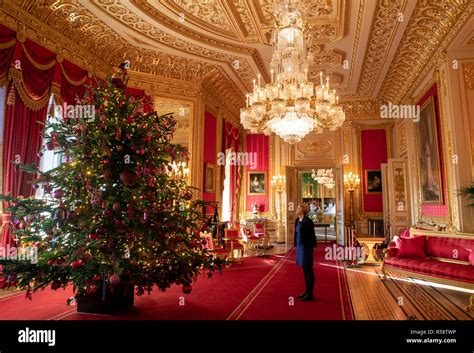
{"x":471,"y":303}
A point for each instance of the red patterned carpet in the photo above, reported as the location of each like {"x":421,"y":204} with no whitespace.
{"x":258,"y":289}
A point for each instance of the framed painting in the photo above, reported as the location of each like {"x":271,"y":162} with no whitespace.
{"x":210,"y":178}
{"x":257,"y":183}
{"x":429,"y":155}
{"x":373,"y":181}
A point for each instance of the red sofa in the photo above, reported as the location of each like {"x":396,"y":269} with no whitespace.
{"x":444,"y":259}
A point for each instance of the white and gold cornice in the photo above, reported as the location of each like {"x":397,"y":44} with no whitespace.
{"x":432,"y":27}
{"x":202,"y":49}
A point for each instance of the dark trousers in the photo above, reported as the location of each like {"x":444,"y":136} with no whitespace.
{"x":308,"y":271}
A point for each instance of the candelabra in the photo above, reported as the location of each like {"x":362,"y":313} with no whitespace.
{"x":351,"y":183}
{"x":278,"y":183}
{"x":178,"y":170}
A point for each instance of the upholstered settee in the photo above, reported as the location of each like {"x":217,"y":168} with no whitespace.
{"x":434,"y":256}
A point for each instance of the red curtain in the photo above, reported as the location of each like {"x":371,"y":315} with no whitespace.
{"x":32,"y":73}
{"x":7,"y":46}
{"x":21,"y":139}
{"x":231,"y":142}
{"x":139,"y":93}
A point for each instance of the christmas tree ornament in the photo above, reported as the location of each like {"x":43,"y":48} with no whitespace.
{"x":187,"y":289}
{"x":114,"y":279}
{"x":128,"y":177}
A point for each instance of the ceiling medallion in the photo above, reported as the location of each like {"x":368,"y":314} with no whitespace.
{"x":291,"y":106}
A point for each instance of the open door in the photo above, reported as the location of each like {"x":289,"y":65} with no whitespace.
{"x":292,"y":199}
{"x":339,"y":178}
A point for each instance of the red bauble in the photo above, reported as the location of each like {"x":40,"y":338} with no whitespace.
{"x":116,"y":206}
{"x":58,"y":194}
{"x":50,"y":145}
{"x":56,"y":284}
{"x":128,"y":177}
{"x":91,"y":290}
{"x":187,"y":289}
{"x":76,"y":264}
{"x":93,"y":236}
{"x":107,"y":175}
{"x":114,"y":279}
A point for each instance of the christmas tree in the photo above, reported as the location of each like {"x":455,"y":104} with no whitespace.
{"x":112,"y":212}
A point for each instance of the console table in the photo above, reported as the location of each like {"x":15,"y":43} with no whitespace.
{"x":325,"y":226}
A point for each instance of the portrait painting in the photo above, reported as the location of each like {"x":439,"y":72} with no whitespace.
{"x":210,"y":178}
{"x":429,"y":154}
{"x":373,"y":179}
{"x":257,"y":183}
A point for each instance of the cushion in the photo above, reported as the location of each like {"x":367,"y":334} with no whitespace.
{"x":471,"y":256}
{"x":232,"y":233}
{"x":411,"y":247}
{"x":392,"y":252}
{"x":434,"y":268}
{"x":449,"y":248}
{"x":405,"y":233}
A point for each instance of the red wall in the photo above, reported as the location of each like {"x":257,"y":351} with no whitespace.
{"x":260,"y":144}
{"x":373,"y":153}
{"x":210,"y":155}
{"x":430,"y":209}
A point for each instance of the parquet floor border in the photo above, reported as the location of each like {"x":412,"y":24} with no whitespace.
{"x":401,"y":298}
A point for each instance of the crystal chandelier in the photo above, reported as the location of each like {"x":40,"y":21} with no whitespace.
{"x":324,"y":177}
{"x":291,"y":106}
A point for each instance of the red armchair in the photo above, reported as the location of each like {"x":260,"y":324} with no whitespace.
{"x":233,"y":242}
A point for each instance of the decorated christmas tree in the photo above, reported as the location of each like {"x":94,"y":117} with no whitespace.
{"x":111,"y":213}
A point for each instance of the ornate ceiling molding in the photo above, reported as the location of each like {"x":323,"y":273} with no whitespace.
{"x":201,"y":51}
{"x":33,"y":27}
{"x":431,"y":28}
{"x":384,"y":27}
{"x":468,"y":70}
{"x":362,"y":109}
{"x":209,"y":15}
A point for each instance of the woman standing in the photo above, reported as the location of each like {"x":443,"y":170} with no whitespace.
{"x":305,"y":242}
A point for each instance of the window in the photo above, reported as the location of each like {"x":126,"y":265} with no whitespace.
{"x":226,"y":206}
{"x":50,"y":159}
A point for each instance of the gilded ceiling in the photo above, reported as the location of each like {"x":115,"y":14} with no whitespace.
{"x":371,"y":49}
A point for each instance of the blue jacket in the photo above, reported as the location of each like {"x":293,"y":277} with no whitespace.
{"x":307,"y":232}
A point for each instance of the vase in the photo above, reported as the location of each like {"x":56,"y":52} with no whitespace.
{"x":116,"y":299}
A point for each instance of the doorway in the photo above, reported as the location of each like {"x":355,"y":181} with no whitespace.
{"x":320,"y":195}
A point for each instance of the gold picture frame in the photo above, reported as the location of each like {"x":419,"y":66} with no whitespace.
{"x":429,"y":156}
{"x":370,"y":181}
{"x":210,"y":178}
{"x":256,"y":182}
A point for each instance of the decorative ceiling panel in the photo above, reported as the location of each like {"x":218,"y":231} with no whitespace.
{"x":363,"y":46}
